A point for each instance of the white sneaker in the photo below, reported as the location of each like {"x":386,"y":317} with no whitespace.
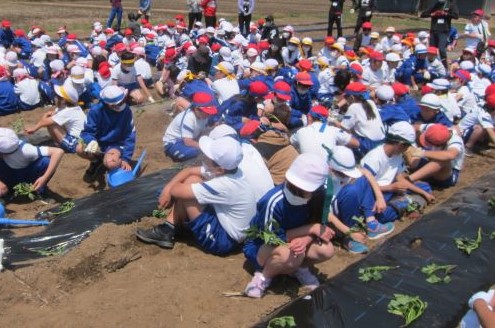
{"x":306,"y":278}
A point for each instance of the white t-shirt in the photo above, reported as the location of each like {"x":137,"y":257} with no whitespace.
{"x":355,"y":119}
{"x":480,"y":29}
{"x":225,"y":88}
{"x":468,"y":102}
{"x":233,"y":200}
{"x":326,"y":79}
{"x":479,"y":85}
{"x":114,"y":59}
{"x":71,"y":118}
{"x":255,"y":171}
{"x":387,"y":44}
{"x":309,"y":139}
{"x":449,"y":106}
{"x":478,"y":116}
{"x":341,"y":61}
{"x":437,"y":67}
{"x":373,"y":78}
{"x":384,"y":168}
{"x":24,"y":155}
{"x":27,"y":90}
{"x":184,"y":125}
{"x":143,"y":68}
{"x":124,"y":78}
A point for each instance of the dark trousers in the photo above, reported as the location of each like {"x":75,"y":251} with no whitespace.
{"x":210,"y":21}
{"x":337,"y":19}
{"x":360,"y":20}
{"x":193,"y":18}
{"x":244,"y":21}
{"x":440,"y":40}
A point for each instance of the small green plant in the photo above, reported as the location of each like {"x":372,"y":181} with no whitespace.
{"x":282,"y":322}
{"x":374,"y":273}
{"x":468,"y":245}
{"x":65,"y":207}
{"x":268,"y":236}
{"x":159,"y":214}
{"x":491,"y":203}
{"x":24,"y":189}
{"x":360,"y":226}
{"x":438,"y":273}
{"x":18,"y":124}
{"x":408,"y":307}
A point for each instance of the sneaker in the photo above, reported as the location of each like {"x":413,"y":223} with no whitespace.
{"x":257,"y":286}
{"x":377,"y":230}
{"x":355,"y":247}
{"x":306,"y":278}
{"x":95,"y":168}
{"x":162,"y":235}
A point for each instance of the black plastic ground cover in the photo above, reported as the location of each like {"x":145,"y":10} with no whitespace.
{"x":121,"y":205}
{"x":345,"y":301}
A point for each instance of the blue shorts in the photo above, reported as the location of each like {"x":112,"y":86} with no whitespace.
{"x":449,"y":182}
{"x":466,"y":134}
{"x":130,"y":87}
{"x":69,"y":143}
{"x":11,"y":177}
{"x":179,"y":152}
{"x":365,"y":145}
{"x":209,"y":233}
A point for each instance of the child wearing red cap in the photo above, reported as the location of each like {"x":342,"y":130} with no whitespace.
{"x":180,"y":139}
{"x":6,"y":34}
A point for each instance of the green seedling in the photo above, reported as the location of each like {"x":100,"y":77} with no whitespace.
{"x":282,"y":322}
{"x":438,"y":273}
{"x":159,"y":214}
{"x":66,"y":207}
{"x":268,"y":235}
{"x":360,"y":226}
{"x":26,"y":190}
{"x":468,"y":245}
{"x":491,"y":203}
{"x":374,"y":273}
{"x":18,"y":124}
{"x":408,"y":307}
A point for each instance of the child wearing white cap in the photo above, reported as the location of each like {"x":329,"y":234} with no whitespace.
{"x":225,"y":84}
{"x":26,"y":87}
{"x":65,"y":123}
{"x":213,"y":200}
{"x":23,"y":162}
{"x":286,"y":211}
{"x":109,"y":130}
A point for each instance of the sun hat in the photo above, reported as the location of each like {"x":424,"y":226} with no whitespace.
{"x":385,"y":93}
{"x":77,"y":74}
{"x":342,"y":160}
{"x":224,"y":151}
{"x":9,"y":141}
{"x":222,"y":130}
{"x":401,"y":131}
{"x":113,"y":95}
{"x":420,"y":49}
{"x":67,"y":92}
{"x":439,"y":84}
{"x":308,"y":172}
{"x":430,"y":100}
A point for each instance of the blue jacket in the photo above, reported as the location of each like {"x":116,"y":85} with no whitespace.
{"x":110,"y":128}
{"x":354,"y":199}
{"x":234,"y":109}
{"x":300,"y":104}
{"x":152,"y":52}
{"x":409,"y":105}
{"x":438,"y":118}
{"x":113,"y":40}
{"x":392,"y":113}
{"x":315,"y":87}
{"x":8,"y":99}
{"x":6,"y":37}
{"x":244,"y":83}
{"x":25,"y":46}
{"x":194,"y":86}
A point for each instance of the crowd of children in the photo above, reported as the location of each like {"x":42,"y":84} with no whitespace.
{"x":305,"y":145}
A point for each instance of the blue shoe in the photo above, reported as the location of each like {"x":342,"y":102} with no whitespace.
{"x":355,"y":247}
{"x":378,"y":230}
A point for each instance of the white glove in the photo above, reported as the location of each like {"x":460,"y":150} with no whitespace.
{"x":151,"y":100}
{"x":427,"y":75}
{"x":352,"y":11}
{"x":92,"y":147}
{"x":485,"y":296}
{"x":304,"y":119}
{"x":367,"y":14}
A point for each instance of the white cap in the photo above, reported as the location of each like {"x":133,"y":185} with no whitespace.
{"x":191,"y":50}
{"x":390,"y":29}
{"x":37,"y":58}
{"x":420,"y":49}
{"x":73,"y":48}
{"x":271,"y":63}
{"x":439,"y":84}
{"x":395,"y":39}
{"x":423,"y":35}
{"x":9,"y":141}
{"x":288,"y":28}
{"x":430,"y":100}
{"x":51,"y":50}
{"x":82,"y":61}
{"x":225,"y":53}
{"x":68,"y":92}
{"x":225,"y":67}
{"x":210,"y":29}
{"x":225,"y":151}
{"x":374,"y":35}
{"x":236,"y":30}
{"x":308,"y":172}
{"x":484,"y":69}
{"x":96,"y":51}
{"x":113,"y":95}
{"x":45,"y":38}
{"x":77,"y":74}
{"x":402,"y":131}
{"x":385,"y":92}
{"x":145,"y":31}
{"x":221,"y":32}
{"x":392,"y":57}
{"x":222,"y":130}
{"x":11,"y":58}
{"x":343,"y":161}
{"x":227,"y":27}
{"x":258,"y":66}
{"x":251,"y":52}
{"x":18,"y":72}
{"x":38,"y":43}
{"x":138,"y":51}
{"x":466,"y":65}
{"x":57,"y":65}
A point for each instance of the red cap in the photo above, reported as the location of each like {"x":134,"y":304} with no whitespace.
{"x":304,"y":78}
{"x":329,"y":40}
{"x":204,"y":102}
{"x":181,"y":26}
{"x":3,"y":71}
{"x":150,"y":36}
{"x":491,"y":43}
{"x":148,"y":26}
{"x":436,"y":135}
{"x":104,"y":70}
{"x":319,"y":111}
{"x":119,"y":47}
{"x":350,"y":54}
{"x":144,"y":21}
{"x":258,"y":89}
{"x":133,"y":45}
{"x":490,"y":90}
{"x":432,"y":50}
{"x":425,"y":89}
{"x":261,"y":21}
{"x":281,"y":89}
{"x":171,"y":24}
{"x":375,"y":55}
{"x":400,"y":89}
{"x":215,"y":47}
{"x":102,"y":43}
{"x":249,"y":128}
{"x":179,"y":17}
{"x":356,"y":69}
{"x":367,"y":25}
{"x":128,"y":31}
{"x":463,"y":75}
{"x":169,"y":55}
{"x":19,"y":33}
{"x":305,"y":65}
{"x":355,"y":88}
{"x":490,"y":101}
{"x":478,"y":12}
{"x":71,"y":37}
{"x":203,"y":39}
{"x":5,"y":23}
{"x":109,"y":30}
{"x":264,"y":45}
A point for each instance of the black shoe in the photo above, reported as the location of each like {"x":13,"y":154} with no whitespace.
{"x":95,"y":168}
{"x":162,"y":235}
